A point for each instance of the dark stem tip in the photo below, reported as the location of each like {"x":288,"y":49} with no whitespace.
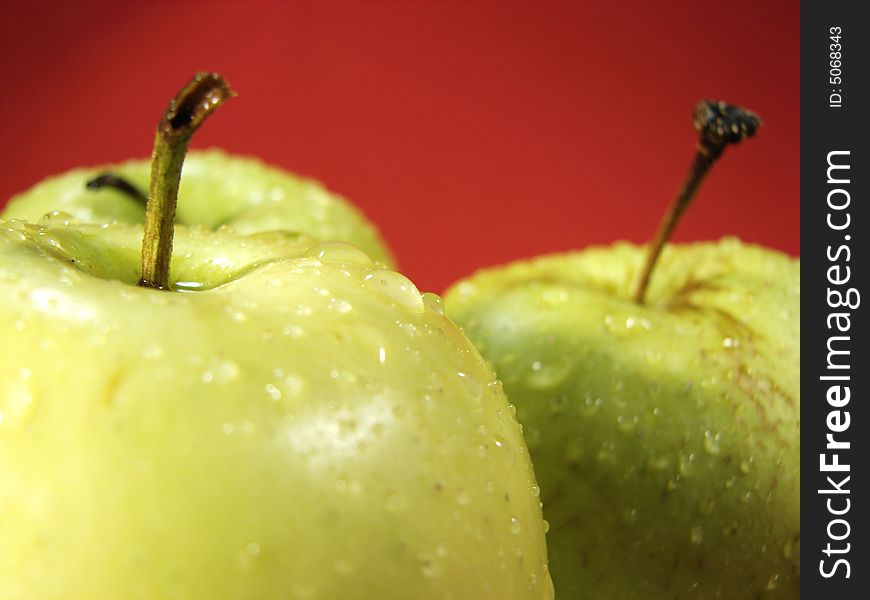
{"x":720,"y":123}
{"x":116,"y":182}
{"x":194,"y":103}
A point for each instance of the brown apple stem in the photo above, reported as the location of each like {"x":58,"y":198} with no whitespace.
{"x":718,"y":125}
{"x":116,"y":182}
{"x":186,"y":112}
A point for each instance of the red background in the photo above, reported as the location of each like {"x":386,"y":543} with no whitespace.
{"x":473,"y":133}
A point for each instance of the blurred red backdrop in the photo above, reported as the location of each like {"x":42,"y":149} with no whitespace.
{"x":472,"y":132}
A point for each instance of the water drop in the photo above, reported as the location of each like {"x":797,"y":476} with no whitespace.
{"x":273,"y":391}
{"x":554,"y":297}
{"x":711,"y":442}
{"x":696,"y":535}
{"x":706,"y":507}
{"x":472,"y":385}
{"x":434,"y":303}
{"x":56,"y":217}
{"x":152,"y":352}
{"x":546,"y":526}
{"x":427,"y":570}
{"x":773,"y":582}
{"x":658,"y":463}
{"x":340,"y":306}
{"x":549,"y":374}
{"x":505,"y":451}
{"x":225,"y":371}
{"x":17,"y":408}
{"x":395,"y":287}
{"x":515,"y":526}
{"x":340,"y":252}
{"x":293,"y":331}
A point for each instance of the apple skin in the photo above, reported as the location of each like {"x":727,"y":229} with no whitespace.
{"x":305,"y":425}
{"x":665,"y":437}
{"x":216,"y":189}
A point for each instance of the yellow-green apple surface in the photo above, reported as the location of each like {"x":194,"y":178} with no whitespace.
{"x":268,"y":419}
{"x":217,"y":189}
{"x":664,"y":432}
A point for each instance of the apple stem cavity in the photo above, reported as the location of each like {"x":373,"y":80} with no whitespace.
{"x":116,"y":182}
{"x":186,"y":112}
{"x":718,"y":125}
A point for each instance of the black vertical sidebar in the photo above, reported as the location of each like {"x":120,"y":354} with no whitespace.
{"x":835,"y":368}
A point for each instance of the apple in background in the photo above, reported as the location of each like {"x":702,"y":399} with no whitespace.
{"x":663,"y":418}
{"x":292,"y":421}
{"x":216,"y":189}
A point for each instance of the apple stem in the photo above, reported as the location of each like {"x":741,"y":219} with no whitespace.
{"x":116,"y":182}
{"x":186,"y":112}
{"x":718,"y":125}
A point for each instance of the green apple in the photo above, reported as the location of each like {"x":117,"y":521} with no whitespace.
{"x":268,"y":419}
{"x":302,"y":425}
{"x":217,"y":189}
{"x":665,"y":434}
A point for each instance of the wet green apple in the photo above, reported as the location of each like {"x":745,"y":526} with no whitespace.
{"x":665,"y":437}
{"x":663,"y":421}
{"x":230,"y":417}
{"x":217,"y":189}
{"x":290,"y":422}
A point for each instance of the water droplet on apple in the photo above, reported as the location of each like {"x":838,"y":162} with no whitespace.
{"x":340,"y":306}
{"x":658,"y":463}
{"x":152,"y":352}
{"x":462,"y":498}
{"x":686,"y":464}
{"x":627,"y":424}
{"x":225,"y":371}
{"x":236,"y":314}
{"x":427,"y":569}
{"x":395,"y":287}
{"x":746,"y":465}
{"x":187,"y":286}
{"x":273,"y":391}
{"x":515,"y":526}
{"x":505,"y":451}
{"x":293,"y":331}
{"x":55,"y":217}
{"x":434,"y":303}
{"x":472,"y":385}
{"x":340,"y":252}
{"x":554,"y":297}
{"x":18,"y":404}
{"x":706,"y":507}
{"x":228,"y":428}
{"x":711,"y":442}
{"x":696,"y":535}
{"x":549,"y":374}
{"x":773,"y":582}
